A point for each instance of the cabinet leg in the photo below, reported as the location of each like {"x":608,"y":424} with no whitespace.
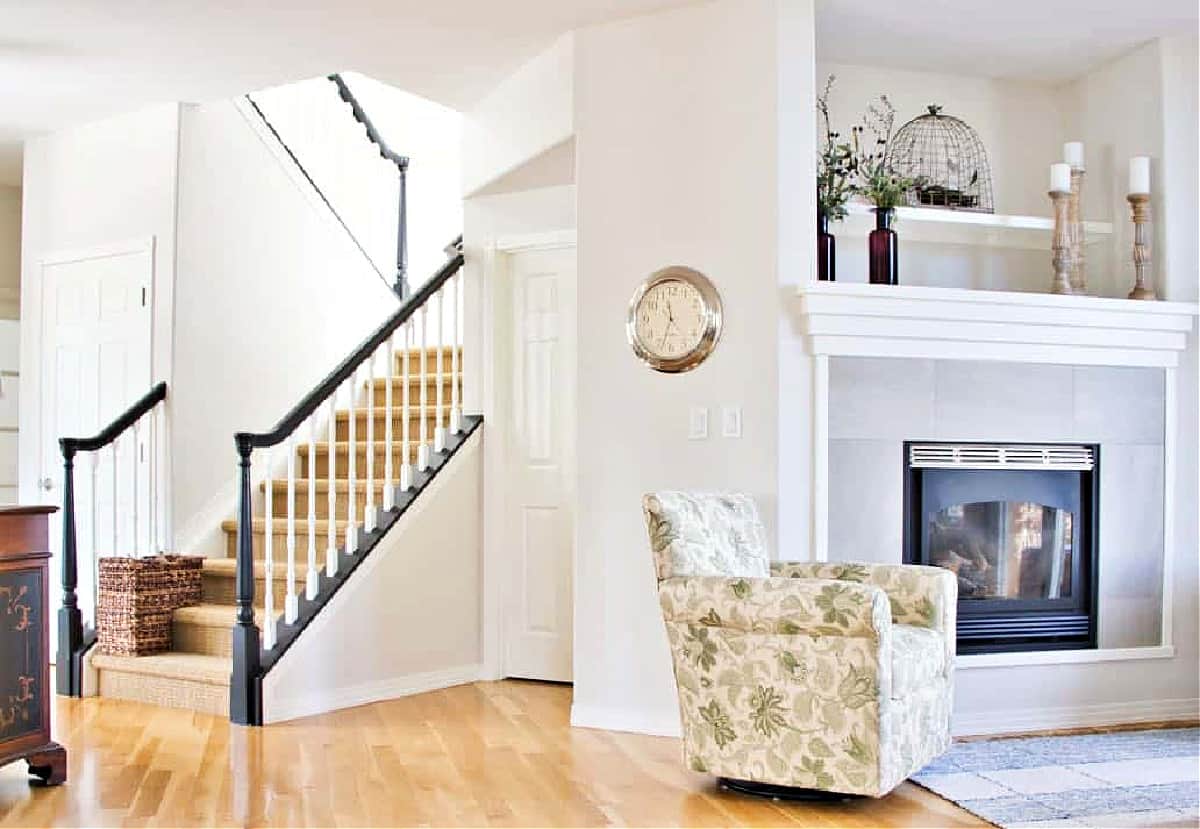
{"x":49,"y":763}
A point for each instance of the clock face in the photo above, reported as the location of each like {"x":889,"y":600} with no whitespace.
{"x":674,"y":319}
{"x":671,"y":319}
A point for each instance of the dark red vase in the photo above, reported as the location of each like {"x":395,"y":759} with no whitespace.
{"x":884,"y":249}
{"x":826,"y":245}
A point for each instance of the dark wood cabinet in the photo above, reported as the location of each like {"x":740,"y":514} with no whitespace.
{"x":25,"y":690}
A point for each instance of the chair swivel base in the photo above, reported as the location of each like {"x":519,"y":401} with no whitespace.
{"x":782,"y":792}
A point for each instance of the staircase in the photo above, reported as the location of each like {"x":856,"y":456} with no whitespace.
{"x":195,"y":674}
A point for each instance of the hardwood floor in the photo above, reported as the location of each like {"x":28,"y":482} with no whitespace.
{"x":493,"y":753}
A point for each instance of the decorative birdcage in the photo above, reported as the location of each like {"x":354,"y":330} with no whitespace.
{"x":948,"y":161}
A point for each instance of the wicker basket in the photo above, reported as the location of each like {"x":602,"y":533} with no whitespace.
{"x":137,"y":598}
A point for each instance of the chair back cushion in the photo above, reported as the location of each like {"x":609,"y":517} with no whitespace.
{"x":705,"y":534}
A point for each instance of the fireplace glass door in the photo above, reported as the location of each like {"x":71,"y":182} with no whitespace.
{"x":1004,"y":549}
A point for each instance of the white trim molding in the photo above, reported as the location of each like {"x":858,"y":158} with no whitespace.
{"x":289,"y":708}
{"x":632,"y":721}
{"x":543,"y":240}
{"x":1016,"y":720}
{"x":857,"y":320}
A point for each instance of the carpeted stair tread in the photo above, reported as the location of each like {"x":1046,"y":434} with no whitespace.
{"x":194,"y":667}
{"x":214,"y":615}
{"x":280,"y":525}
{"x":227,"y":568}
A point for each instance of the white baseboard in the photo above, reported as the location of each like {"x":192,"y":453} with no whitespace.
{"x":1015,"y":720}
{"x":306,"y":705}
{"x":624,"y":719}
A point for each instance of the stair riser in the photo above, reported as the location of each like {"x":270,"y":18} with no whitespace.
{"x":205,"y":639}
{"x":222,"y":589}
{"x":167,"y":691}
{"x":379,"y":393}
{"x":279,"y":507}
{"x":414,"y":426}
{"x":322,"y":462}
{"x":414,"y":365}
{"x":279,"y":547}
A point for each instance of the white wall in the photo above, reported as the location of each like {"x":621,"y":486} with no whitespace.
{"x":271,"y":295}
{"x":408,"y":620}
{"x":676,"y":163}
{"x":430,"y":135}
{"x":10,"y":252}
{"x":524,"y":116}
{"x":110,"y":181}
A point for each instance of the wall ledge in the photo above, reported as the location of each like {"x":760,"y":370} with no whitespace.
{"x":1015,"y":720}
{"x":1062,"y":657}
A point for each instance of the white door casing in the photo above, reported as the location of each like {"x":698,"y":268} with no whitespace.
{"x":95,"y":360}
{"x":539,"y":459}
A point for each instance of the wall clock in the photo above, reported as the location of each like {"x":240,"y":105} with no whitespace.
{"x":674,"y":319}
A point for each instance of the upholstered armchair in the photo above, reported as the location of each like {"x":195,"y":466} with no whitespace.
{"x":821,"y":676}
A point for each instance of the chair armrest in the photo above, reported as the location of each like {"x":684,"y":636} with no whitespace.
{"x":918,"y":594}
{"x":817,"y":607}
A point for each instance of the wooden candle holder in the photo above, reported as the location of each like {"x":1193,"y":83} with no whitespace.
{"x":1139,"y":204}
{"x":1079,"y":282}
{"x":1061,"y":245}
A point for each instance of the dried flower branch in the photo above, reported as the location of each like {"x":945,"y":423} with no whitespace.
{"x":872,"y":140}
{"x":835,"y":164}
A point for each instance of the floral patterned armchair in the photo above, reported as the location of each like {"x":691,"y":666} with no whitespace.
{"x":821,"y":676}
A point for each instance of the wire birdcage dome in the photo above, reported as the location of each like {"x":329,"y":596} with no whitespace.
{"x":947,"y":159}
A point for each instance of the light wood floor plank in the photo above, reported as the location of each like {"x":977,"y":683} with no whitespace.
{"x":487,"y":754}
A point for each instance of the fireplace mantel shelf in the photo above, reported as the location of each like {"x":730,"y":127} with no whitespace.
{"x":862,"y":320}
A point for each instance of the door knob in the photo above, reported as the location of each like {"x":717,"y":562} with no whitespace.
{"x":47,"y":484}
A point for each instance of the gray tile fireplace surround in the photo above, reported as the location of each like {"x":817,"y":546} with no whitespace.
{"x":877,"y":404}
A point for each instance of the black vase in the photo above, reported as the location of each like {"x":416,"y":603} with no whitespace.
{"x":883,"y":249}
{"x":826,"y":248}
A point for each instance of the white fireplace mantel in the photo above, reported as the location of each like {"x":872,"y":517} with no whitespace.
{"x":861,"y":320}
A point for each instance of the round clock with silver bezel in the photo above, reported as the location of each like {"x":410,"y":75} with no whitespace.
{"x":674,"y":319}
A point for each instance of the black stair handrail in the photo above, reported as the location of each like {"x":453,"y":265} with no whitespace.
{"x":71,"y":640}
{"x":245,"y":684}
{"x":401,"y":162}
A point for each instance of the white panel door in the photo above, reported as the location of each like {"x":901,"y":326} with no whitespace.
{"x":95,"y":363}
{"x":541,"y":458}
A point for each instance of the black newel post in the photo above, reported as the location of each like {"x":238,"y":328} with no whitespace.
{"x":245,"y":686}
{"x":402,"y":236}
{"x":70,"y":622}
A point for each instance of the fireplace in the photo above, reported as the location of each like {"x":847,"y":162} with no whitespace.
{"x":1016,"y":524}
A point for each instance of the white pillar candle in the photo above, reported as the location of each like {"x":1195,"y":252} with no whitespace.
{"x":1073,"y":154}
{"x":1139,"y":174}
{"x":1060,"y":178}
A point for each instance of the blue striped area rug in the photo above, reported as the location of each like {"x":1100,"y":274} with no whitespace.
{"x":1120,"y":779}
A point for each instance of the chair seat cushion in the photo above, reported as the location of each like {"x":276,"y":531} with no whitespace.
{"x":918,"y":658}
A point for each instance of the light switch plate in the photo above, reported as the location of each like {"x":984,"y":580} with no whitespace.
{"x":698,"y":423}
{"x":731,"y":421}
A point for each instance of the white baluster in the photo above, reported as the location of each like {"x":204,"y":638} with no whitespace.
{"x":405,"y":414}
{"x":291,"y":606}
{"x":331,"y":553}
{"x":269,"y":564}
{"x":95,"y":536}
{"x":115,"y":525}
{"x":389,"y":491}
{"x":439,"y":432}
{"x":162,"y":542}
{"x":352,"y":461}
{"x":423,"y":357}
{"x":137,"y":449}
{"x":455,"y":373}
{"x":312,"y":581}
{"x":152,"y":488}
{"x":370,"y":519}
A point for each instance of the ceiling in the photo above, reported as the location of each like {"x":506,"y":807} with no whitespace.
{"x":64,"y":62}
{"x":1033,"y":40}
{"x":72,"y":61}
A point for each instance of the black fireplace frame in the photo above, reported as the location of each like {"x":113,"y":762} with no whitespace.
{"x":1012,"y":625}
